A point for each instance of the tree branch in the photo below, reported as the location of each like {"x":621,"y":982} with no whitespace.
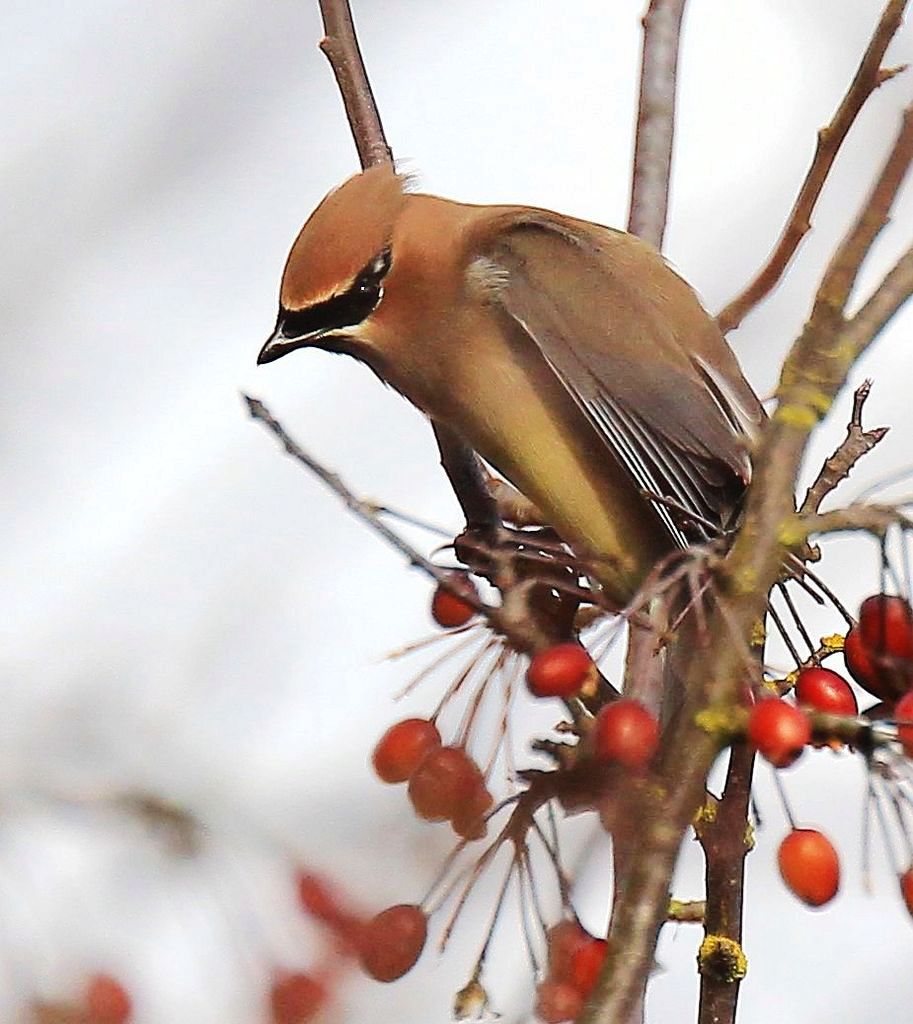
{"x":364,"y":510}
{"x":869,"y":76}
{"x":655,"y":120}
{"x":340,"y":45}
{"x":815,"y":369}
{"x":874,"y":519}
{"x":726,"y":841}
{"x":836,"y":469}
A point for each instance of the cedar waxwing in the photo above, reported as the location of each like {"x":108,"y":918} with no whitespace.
{"x":569,"y":355}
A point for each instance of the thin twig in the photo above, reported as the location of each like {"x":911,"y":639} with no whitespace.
{"x":340,"y":45}
{"x":844,"y":267}
{"x":857,"y":443}
{"x":655,"y":120}
{"x":869,"y":76}
{"x":874,"y":519}
{"x":364,"y":510}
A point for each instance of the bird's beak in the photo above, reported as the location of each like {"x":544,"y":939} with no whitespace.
{"x":276,"y":346}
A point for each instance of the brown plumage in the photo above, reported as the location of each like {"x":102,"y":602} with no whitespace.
{"x":569,"y":355}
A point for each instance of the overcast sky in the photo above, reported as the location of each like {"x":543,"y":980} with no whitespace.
{"x":185,"y":612}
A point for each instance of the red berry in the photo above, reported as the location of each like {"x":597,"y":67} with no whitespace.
{"x":443,"y":784}
{"x":886,"y":625}
{"x":903,"y":715}
{"x":447,"y":609}
{"x":324,"y":904}
{"x":627,"y":733}
{"x":906,"y":889}
{"x":318,"y":898}
{"x":779,"y":731}
{"x":862,"y":667}
{"x":107,"y":1001}
{"x":823,"y":690}
{"x":809,"y":866}
{"x":586,"y":964}
{"x":392,"y":941}
{"x":885,"y":675}
{"x":563,"y":940}
{"x":297,"y":998}
{"x":557,"y":1001}
{"x":469,"y":821}
{"x":560,"y":671}
{"x":402,"y":748}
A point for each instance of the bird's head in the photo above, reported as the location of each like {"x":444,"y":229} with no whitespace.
{"x":334,"y":276}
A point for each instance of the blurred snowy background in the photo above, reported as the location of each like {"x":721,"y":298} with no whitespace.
{"x":185,"y":612}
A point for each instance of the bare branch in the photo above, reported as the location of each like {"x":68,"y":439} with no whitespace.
{"x":466,"y":476}
{"x":366,"y":511}
{"x":874,"y":519}
{"x":841,"y":273}
{"x":837,"y":468}
{"x":869,"y":76}
{"x":881,"y":306}
{"x":340,"y":45}
{"x":655,"y":120}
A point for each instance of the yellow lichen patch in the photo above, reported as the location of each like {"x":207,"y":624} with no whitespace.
{"x":748,"y":838}
{"x":758,"y":634}
{"x":721,"y":722}
{"x":834,"y":642}
{"x":745,"y":581}
{"x":705,"y":814}
{"x":722,"y":958}
{"x":792,"y":532}
{"x":802,"y":417}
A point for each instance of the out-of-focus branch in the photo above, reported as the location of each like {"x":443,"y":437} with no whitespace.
{"x":883,"y":303}
{"x":869,"y":76}
{"x":340,"y":44}
{"x":874,"y":519}
{"x":655,"y":120}
{"x":843,"y":269}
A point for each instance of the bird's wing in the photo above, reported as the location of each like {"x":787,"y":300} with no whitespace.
{"x":641,"y":358}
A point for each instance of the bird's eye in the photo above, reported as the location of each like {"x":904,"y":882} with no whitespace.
{"x":344,"y":309}
{"x":368,"y":282}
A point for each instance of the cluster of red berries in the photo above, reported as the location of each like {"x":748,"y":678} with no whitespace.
{"x":879,"y":655}
{"x":879,"y":649}
{"x":878,"y":652}
{"x":445,"y":784}
{"x":624,"y":732}
{"x":574,"y":961}
{"x":386,"y":945}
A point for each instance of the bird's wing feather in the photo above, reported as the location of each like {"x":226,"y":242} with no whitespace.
{"x":644,"y":362}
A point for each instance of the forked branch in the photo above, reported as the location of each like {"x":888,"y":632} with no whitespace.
{"x":869,"y":76}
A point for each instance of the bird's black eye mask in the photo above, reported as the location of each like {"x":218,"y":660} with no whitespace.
{"x":342,"y":310}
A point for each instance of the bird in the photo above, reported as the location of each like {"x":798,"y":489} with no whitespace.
{"x":569,"y":355}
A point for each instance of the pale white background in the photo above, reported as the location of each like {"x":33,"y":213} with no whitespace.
{"x":185,"y":612}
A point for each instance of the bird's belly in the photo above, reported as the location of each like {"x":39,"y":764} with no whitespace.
{"x":529,"y":429}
